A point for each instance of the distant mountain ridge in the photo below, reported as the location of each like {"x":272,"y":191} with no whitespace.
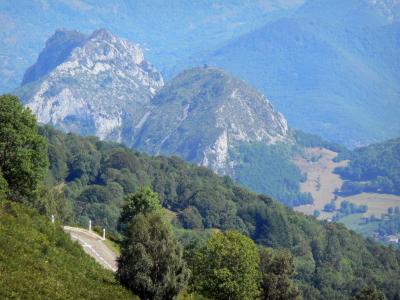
{"x":168,"y":33}
{"x":331,"y":67}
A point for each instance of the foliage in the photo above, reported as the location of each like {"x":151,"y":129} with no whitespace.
{"x":143,"y":201}
{"x":268,"y":169}
{"x":391,"y":223}
{"x":374,"y":168}
{"x":348,"y":208}
{"x":190,"y":218}
{"x":39,"y":261}
{"x":370,"y":293}
{"x":227,"y":267}
{"x":330,"y":207}
{"x":277,"y":270}
{"x":223,"y":205}
{"x":316,"y":213}
{"x":151,"y":263}
{"x":3,"y":187}
{"x":23,"y":159}
{"x":309,"y":140}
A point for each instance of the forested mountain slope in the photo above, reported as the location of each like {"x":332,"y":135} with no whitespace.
{"x":374,"y":168}
{"x":93,"y":177}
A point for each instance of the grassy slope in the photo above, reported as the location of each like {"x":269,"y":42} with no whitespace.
{"x":38,"y":260}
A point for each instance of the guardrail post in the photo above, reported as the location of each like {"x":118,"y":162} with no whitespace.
{"x":90,"y":225}
{"x":104,"y":234}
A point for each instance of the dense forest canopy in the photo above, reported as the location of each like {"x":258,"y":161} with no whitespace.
{"x":89,"y":179}
{"x":329,"y":259}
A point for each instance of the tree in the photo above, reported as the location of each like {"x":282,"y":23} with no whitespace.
{"x":316,"y":213}
{"x":151,"y":264}
{"x":227,"y":267}
{"x":276,"y":270}
{"x":3,"y":187}
{"x":370,"y":293}
{"x":330,"y":207}
{"x":144,"y":201}
{"x":191,"y":218}
{"x":397,"y":210}
{"x":23,"y":152}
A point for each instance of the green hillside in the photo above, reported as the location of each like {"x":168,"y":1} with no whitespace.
{"x":331,"y":261}
{"x":374,"y":168}
{"x":39,"y":261}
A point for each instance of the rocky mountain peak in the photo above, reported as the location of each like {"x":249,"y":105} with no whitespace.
{"x":204,"y":113}
{"x":95,"y":85}
{"x":58,"y":48}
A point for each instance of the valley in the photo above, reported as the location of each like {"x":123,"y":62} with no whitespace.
{"x":322,"y":182}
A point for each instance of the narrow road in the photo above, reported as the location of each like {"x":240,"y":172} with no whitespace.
{"x":94,"y":245}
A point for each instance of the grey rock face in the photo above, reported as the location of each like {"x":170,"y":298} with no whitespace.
{"x":98,"y":85}
{"x":203,"y":114}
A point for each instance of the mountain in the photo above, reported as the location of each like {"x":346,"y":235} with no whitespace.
{"x":203,"y":114}
{"x":38,"y":260}
{"x":331,"y":68}
{"x":101,"y":85}
{"x":213,"y":119}
{"x":88,"y":178}
{"x":94,"y":85}
{"x":169,"y":32}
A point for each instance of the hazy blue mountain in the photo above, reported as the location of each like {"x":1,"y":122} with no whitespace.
{"x":332,"y":67}
{"x":169,"y":31}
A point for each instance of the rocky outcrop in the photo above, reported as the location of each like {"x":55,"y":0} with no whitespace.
{"x":93,"y":85}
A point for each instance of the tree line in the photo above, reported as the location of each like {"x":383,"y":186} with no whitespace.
{"x":88,"y":178}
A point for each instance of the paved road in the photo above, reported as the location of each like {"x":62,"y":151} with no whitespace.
{"x":94,"y":246}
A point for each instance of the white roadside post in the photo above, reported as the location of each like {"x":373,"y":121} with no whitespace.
{"x":52,"y":219}
{"x":104,"y":234}
{"x":90,"y":225}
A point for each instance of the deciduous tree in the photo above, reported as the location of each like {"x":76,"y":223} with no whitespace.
{"x":23,"y":153}
{"x":151,"y":264}
{"x":227,"y":267}
{"x":144,"y":201}
{"x":276,"y":269}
